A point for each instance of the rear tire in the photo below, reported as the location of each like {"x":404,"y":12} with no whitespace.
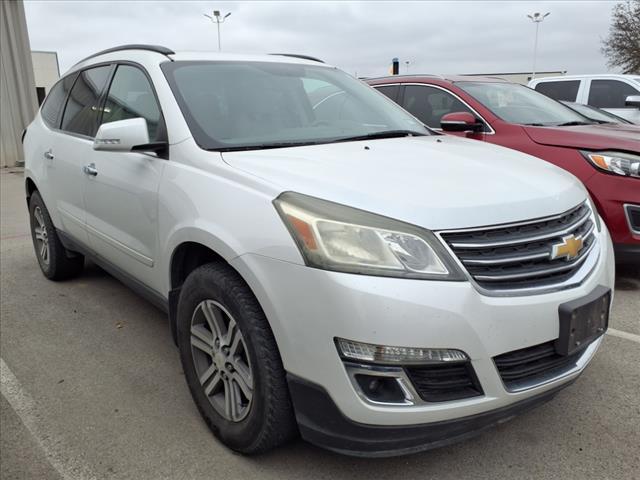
{"x":216,"y":312}
{"x":55,"y":261}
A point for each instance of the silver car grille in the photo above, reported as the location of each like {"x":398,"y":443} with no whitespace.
{"x":528,"y":254}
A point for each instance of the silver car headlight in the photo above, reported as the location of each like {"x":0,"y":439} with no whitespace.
{"x":620,"y":163}
{"x":335,"y":237}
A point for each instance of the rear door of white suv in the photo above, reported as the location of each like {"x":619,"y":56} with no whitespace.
{"x":121,"y":196}
{"x":70,"y":143}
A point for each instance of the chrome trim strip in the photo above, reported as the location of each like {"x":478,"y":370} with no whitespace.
{"x":627,"y":207}
{"x":502,"y":261}
{"x":516,"y":241}
{"x":537,"y":273}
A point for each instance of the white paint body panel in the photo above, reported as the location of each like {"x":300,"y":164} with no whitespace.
{"x":140,"y":208}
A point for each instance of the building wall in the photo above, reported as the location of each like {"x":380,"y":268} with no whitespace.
{"x":45,"y":70}
{"x":17,"y":85}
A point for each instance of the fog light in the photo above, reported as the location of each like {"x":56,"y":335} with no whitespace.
{"x":380,"y":389}
{"x":367,"y":352}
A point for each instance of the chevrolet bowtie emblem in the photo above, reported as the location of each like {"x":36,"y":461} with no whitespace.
{"x":569,"y":248}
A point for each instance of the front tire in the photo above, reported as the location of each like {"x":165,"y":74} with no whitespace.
{"x":231,"y":361}
{"x":56,"y":262}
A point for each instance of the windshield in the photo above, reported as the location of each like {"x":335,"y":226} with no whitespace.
{"x":244,"y":105}
{"x":594,"y":113}
{"x":515,"y":103}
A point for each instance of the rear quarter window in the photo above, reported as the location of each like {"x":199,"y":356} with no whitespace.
{"x":54,"y":103}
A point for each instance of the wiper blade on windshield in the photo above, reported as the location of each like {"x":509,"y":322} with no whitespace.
{"x":262,"y":146}
{"x":384,"y":134}
{"x":573,"y":124}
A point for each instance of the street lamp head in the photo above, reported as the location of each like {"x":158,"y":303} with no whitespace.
{"x":230,"y":14}
{"x":216,"y":13}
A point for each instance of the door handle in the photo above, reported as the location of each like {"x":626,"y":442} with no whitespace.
{"x":48,"y":155}
{"x":90,"y":169}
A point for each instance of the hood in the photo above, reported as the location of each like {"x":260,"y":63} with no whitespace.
{"x":590,"y":137}
{"x":437,"y":182}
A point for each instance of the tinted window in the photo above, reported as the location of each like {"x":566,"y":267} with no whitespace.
{"x":429,"y":104}
{"x":390,"y":91}
{"x":131,"y":96}
{"x":54,"y":103}
{"x":82,"y":110}
{"x":564,"y":90}
{"x":252,"y":105}
{"x":609,"y":93}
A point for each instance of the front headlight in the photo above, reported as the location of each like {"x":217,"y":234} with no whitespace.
{"x":335,"y":237}
{"x":626,"y":164}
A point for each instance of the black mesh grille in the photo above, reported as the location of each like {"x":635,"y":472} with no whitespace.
{"x":443,"y":382}
{"x":520,"y":256}
{"x":532,"y":364}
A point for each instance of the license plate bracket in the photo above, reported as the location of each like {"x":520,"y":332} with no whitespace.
{"x":583,"y":320}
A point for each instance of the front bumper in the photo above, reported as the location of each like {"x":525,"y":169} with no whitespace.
{"x":321,"y":423}
{"x":307,"y":308}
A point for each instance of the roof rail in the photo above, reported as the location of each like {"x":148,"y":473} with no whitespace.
{"x":435,"y":75}
{"x":295,"y":55}
{"x":134,"y":46}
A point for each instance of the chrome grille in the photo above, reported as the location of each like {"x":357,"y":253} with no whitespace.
{"x":519,"y":256}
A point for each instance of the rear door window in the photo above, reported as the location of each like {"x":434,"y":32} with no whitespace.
{"x":82,"y":111}
{"x":54,"y":103}
{"x":131,"y":96}
{"x":429,"y":104}
{"x":566,"y":90}
{"x":610,"y":93}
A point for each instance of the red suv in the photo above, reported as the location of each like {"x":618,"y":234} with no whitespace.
{"x":605,"y":157}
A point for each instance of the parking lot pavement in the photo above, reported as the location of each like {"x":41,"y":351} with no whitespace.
{"x":92,"y":388}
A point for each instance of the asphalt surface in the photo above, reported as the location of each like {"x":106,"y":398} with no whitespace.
{"x":92,"y":388}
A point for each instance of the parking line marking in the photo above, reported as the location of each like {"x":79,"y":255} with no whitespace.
{"x":68,"y":468}
{"x":626,"y":335}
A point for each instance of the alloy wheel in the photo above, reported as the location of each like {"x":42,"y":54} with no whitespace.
{"x":41,"y":236}
{"x":221,"y":360}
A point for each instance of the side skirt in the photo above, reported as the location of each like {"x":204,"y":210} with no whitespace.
{"x":140,"y":288}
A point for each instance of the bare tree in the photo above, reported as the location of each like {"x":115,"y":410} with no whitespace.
{"x":622,"y":46}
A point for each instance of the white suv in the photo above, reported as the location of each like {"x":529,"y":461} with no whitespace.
{"x":329,"y":266}
{"x":615,"y":93}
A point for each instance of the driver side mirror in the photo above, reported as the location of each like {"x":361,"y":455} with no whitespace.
{"x":461,"y":122}
{"x":632,"y":101}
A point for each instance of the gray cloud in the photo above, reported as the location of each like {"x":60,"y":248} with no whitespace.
{"x":360,"y":37}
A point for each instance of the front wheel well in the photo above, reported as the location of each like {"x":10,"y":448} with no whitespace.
{"x":185,"y":259}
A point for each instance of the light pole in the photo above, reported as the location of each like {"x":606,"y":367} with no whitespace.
{"x":536,"y":18}
{"x":218,"y":19}
{"x":406,"y":63}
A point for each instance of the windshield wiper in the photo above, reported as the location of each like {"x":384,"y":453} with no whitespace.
{"x":573,"y":124}
{"x":262,"y":146}
{"x":384,"y":134}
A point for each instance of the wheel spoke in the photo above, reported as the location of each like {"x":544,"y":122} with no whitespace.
{"x":214,"y":319}
{"x":229,"y":399}
{"x":43,"y":251}
{"x":233,"y":337}
{"x":201,"y":333}
{"x":38,"y":233}
{"x":207,"y":374}
{"x":215,"y":381}
{"x":239,"y":380}
{"x":38,"y":216}
{"x":200,"y":345}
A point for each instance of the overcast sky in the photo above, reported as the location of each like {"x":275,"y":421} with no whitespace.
{"x":359,"y":37}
